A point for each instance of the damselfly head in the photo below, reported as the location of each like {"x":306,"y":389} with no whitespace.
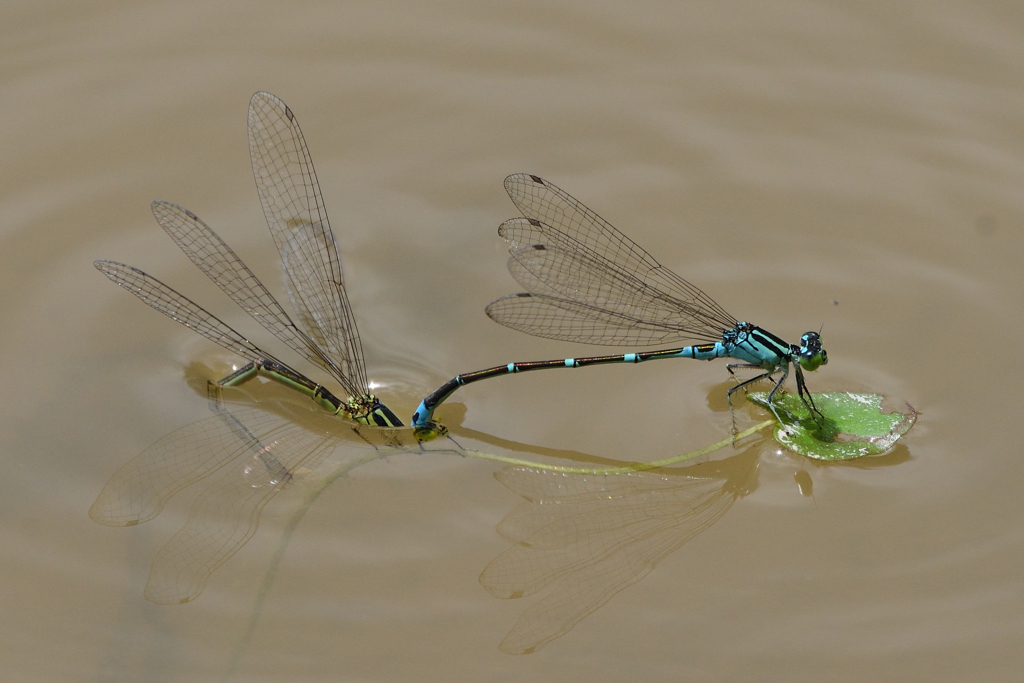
{"x":811,"y":355}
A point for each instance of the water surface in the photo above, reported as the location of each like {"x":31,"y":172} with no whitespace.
{"x":852,"y":167}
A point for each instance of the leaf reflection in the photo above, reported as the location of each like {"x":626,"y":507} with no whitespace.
{"x":586,"y":538}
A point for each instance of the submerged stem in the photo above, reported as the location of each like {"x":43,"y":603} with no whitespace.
{"x":622,"y":469}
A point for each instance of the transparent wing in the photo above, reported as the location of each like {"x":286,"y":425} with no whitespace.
{"x":540,"y":200}
{"x":294,"y":208}
{"x":301,"y":246}
{"x":215,"y":258}
{"x":181,"y":309}
{"x":610,"y":293}
{"x":554,"y":318}
{"x":593,"y":263}
{"x":587,"y":538}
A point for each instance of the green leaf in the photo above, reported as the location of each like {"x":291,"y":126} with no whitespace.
{"x":854,"y":425}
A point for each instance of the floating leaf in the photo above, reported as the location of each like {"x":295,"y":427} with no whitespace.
{"x":854,"y":425}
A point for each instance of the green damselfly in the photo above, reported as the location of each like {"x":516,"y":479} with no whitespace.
{"x":294,"y":208}
{"x":587,"y":282}
{"x":275,"y":448}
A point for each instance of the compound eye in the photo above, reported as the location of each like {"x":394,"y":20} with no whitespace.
{"x":812,"y":356}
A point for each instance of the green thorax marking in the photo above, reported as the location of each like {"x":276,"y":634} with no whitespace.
{"x":368,"y":410}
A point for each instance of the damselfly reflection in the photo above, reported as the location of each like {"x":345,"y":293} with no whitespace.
{"x":257,"y":450}
{"x":586,"y":538}
{"x":258,"y":445}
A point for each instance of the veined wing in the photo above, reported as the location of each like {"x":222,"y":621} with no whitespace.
{"x":555,"y":318}
{"x":575,"y":276}
{"x":180,"y":308}
{"x":590,"y":537}
{"x":540,"y":200}
{"x":294,"y":208}
{"x":555,"y":218}
{"x":215,"y":258}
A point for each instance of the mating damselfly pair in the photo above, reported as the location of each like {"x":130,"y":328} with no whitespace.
{"x":586,"y":282}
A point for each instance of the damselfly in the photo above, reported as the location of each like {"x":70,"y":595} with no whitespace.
{"x":294,"y":208}
{"x":587,"y":282}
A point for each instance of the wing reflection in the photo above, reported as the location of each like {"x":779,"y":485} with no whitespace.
{"x":586,"y":538}
{"x":259,"y":449}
